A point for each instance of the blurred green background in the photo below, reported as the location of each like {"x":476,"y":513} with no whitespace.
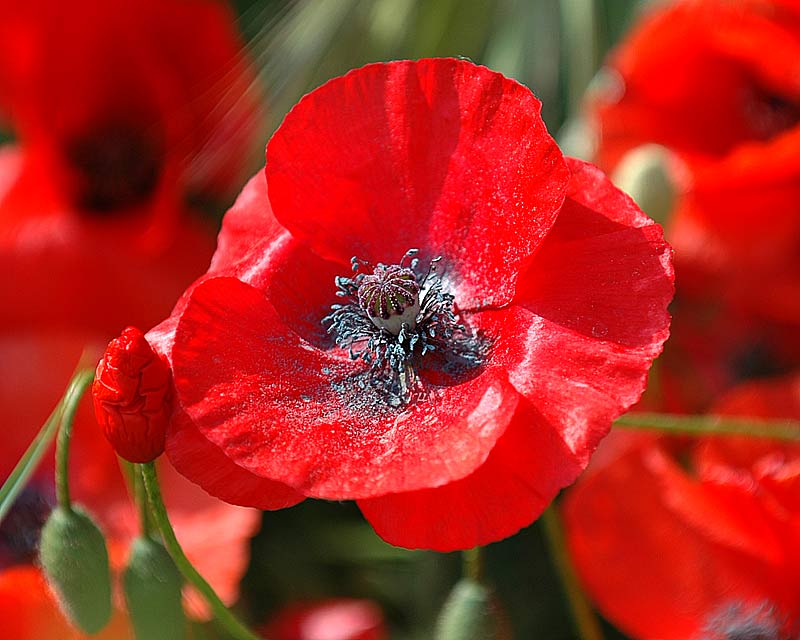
{"x":320,"y":550}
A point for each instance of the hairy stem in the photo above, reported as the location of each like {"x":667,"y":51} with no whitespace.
{"x":80,"y":383}
{"x":224,"y":616}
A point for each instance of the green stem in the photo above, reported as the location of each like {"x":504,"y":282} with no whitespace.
{"x":223,"y":615}
{"x":140,"y":496}
{"x":27,"y":464}
{"x":472,"y":564}
{"x":707,"y":425}
{"x":72,"y":399}
{"x":579,"y":33}
{"x":586,"y":622}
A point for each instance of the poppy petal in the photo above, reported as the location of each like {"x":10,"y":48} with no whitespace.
{"x":197,"y":458}
{"x":590,"y":313}
{"x":648,"y":570}
{"x":440,"y":155}
{"x":287,"y":411}
{"x":526,"y":469}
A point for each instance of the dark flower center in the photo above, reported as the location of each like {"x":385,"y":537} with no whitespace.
{"x":22,"y":526}
{"x":117,"y":166}
{"x":770,"y":114}
{"x":393,"y":316}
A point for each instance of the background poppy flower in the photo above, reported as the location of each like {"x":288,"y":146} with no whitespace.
{"x":540,"y":257}
{"x":119,"y":120}
{"x":114,"y":119}
{"x":694,"y":540}
{"x":715,"y":83}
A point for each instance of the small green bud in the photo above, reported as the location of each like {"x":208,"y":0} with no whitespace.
{"x":644,"y":174}
{"x":153,"y":592}
{"x":468,"y":614}
{"x":75,"y":560}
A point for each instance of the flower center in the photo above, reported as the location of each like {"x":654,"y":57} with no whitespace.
{"x":116,"y":166}
{"x":393,"y":316}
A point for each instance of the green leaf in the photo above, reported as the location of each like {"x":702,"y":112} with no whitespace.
{"x":33,"y":455}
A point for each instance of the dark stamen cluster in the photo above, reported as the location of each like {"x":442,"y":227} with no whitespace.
{"x":391,"y":322}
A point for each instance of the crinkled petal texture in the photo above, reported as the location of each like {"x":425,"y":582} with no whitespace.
{"x":577,"y":343}
{"x":567,"y":280}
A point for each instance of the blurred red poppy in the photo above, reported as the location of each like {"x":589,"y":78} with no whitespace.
{"x":121,"y":112}
{"x":679,"y":542}
{"x":28,"y":611}
{"x":716,"y":83}
{"x":342,"y":619}
{"x":455,"y":390}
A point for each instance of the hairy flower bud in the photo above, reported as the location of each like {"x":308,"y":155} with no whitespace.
{"x":152,"y":587}
{"x":132,"y":397}
{"x":468,"y":614}
{"x":75,"y":560}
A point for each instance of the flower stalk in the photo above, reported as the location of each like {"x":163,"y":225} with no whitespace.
{"x":472,"y":564}
{"x":224,"y":616}
{"x":710,"y":425}
{"x":585,"y":620}
{"x":33,"y":455}
{"x":79,"y":385}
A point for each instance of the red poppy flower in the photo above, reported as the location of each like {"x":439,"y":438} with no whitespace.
{"x":341,"y":619}
{"x":454,"y":390}
{"x":119,"y":117}
{"x":702,"y":549}
{"x":34,"y":371}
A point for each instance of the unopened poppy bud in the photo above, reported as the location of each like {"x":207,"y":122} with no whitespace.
{"x":153,"y":592}
{"x":131,"y":393}
{"x":75,"y":561}
{"x":468,"y":614}
{"x":644,"y":173}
